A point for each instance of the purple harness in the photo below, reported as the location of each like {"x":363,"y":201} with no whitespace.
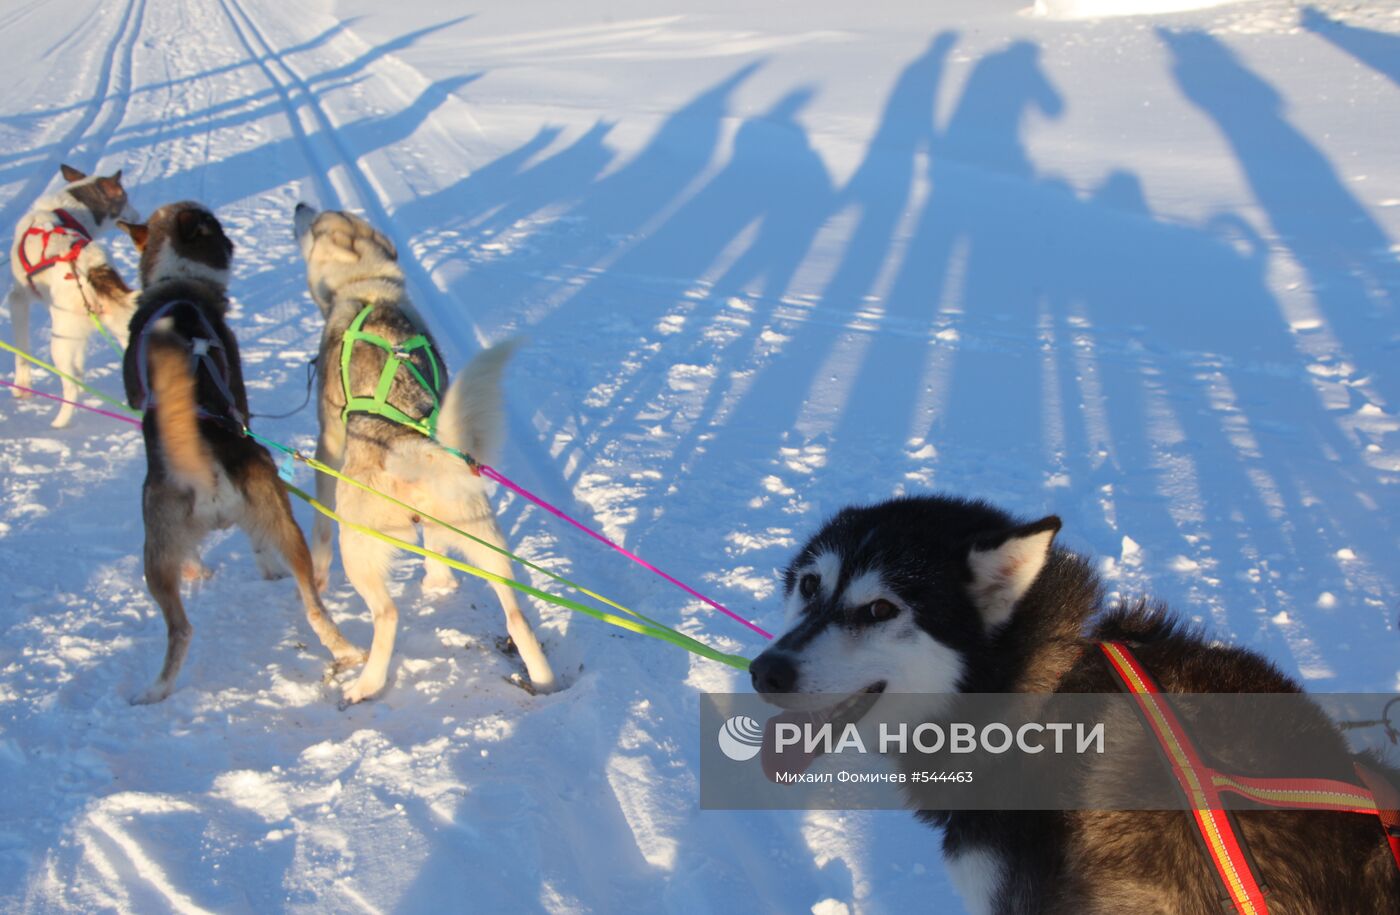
{"x":206,"y":352}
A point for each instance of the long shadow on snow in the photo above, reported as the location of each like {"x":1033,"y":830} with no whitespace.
{"x":616,"y":208}
{"x":764,"y":405}
{"x":1378,"y":50}
{"x":773,"y":189}
{"x":978,"y":169}
{"x":1343,"y":251}
{"x":1034,"y":264}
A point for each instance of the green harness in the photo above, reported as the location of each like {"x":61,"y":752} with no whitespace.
{"x":397,"y":355}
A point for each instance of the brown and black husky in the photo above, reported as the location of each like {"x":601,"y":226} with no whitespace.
{"x":202,"y":472}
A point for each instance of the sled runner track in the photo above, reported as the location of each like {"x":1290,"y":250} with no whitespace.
{"x":368,"y":195}
{"x":118,"y":89}
{"x":320,"y":168}
{"x":362,"y":192}
{"x":15,"y":16}
{"x":77,"y":142}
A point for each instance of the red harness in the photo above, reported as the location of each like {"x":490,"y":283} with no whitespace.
{"x":1203,"y":787}
{"x":68,"y":226}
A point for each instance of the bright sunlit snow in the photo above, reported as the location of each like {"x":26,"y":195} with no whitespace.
{"x":771,"y":259}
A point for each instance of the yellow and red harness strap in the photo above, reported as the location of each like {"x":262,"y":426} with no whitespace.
{"x":1302,"y":793}
{"x":1222,"y":843}
{"x":1203,"y":787}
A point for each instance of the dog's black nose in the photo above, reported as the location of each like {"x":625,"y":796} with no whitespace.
{"x":773,"y":672}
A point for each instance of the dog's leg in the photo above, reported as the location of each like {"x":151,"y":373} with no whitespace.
{"x":116,"y":317}
{"x":164,"y":557}
{"x":269,"y":565}
{"x":439,"y":576}
{"x":70,"y":332}
{"x":196,"y":570}
{"x":366,"y":562}
{"x":19,"y":300}
{"x":330,"y":450}
{"x":536,"y":664}
{"x":269,"y":523}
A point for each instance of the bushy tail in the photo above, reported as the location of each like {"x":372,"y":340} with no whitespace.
{"x":185,"y":454}
{"x":105,"y":291}
{"x":473,"y":415}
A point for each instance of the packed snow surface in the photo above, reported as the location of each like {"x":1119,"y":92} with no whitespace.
{"x":771,"y":259}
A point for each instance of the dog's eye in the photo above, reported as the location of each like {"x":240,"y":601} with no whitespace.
{"x":808,"y":586}
{"x":877,"y":611}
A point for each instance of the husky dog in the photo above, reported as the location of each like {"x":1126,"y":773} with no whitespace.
{"x":202,"y":473}
{"x":940,"y":595}
{"x":355,"y":279}
{"x":55,"y":259}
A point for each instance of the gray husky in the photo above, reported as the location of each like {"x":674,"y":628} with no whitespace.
{"x":56,"y":259}
{"x":202,"y":472}
{"x":941,"y":595}
{"x":381,"y":424}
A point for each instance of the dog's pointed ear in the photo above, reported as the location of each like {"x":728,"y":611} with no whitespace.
{"x":383,"y":241}
{"x":137,"y":231}
{"x":71,"y":174}
{"x":342,"y":247}
{"x":1001,"y":567}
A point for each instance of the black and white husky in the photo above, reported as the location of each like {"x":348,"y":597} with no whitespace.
{"x":56,"y":259}
{"x":942,"y":595}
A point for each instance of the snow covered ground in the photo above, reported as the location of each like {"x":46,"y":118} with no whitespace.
{"x":772,"y":258}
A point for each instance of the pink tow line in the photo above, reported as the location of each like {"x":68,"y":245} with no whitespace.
{"x":492,"y":474}
{"x":74,"y":403}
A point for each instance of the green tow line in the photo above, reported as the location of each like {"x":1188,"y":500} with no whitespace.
{"x":638,"y":623}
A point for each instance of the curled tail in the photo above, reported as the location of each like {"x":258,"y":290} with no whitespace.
{"x":184,"y":452}
{"x":473,"y":414}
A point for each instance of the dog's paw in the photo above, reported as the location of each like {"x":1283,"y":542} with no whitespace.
{"x":543,"y":685}
{"x":270,"y":565}
{"x":358,"y":692}
{"x":64,"y":417}
{"x":521,"y":683}
{"x":157,"y":693}
{"x":21,"y":395}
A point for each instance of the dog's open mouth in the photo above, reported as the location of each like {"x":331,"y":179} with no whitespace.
{"x":798,"y":757}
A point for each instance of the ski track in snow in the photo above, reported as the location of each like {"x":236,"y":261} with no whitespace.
{"x":753,"y":294}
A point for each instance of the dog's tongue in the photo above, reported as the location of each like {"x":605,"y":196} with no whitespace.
{"x":795,"y":759}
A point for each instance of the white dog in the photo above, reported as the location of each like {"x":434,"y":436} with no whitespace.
{"x":55,"y":259}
